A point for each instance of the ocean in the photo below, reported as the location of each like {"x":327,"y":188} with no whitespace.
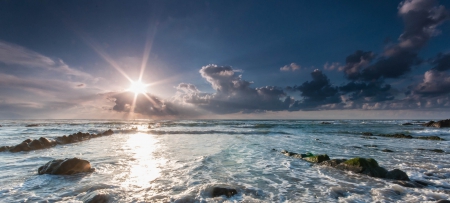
{"x":182,"y":160}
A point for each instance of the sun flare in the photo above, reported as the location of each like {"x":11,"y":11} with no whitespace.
{"x":138,"y":87}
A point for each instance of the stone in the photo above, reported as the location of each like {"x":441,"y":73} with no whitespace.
{"x":431,"y":138}
{"x":96,"y":197}
{"x":411,"y":184}
{"x":65,"y":167}
{"x":358,"y":165}
{"x":20,"y":147}
{"x":397,"y":135}
{"x":397,"y":174}
{"x":218,"y":191}
{"x":35,"y":144}
{"x":443,"y":201}
{"x":317,"y":158}
{"x":407,"y":124}
{"x":4,"y":148}
{"x":437,"y":150}
{"x":438,"y":124}
{"x":32,"y":125}
{"x":367,"y":134}
{"x":332,"y":162}
{"x":387,"y":150}
{"x":108,"y":132}
{"x":46,"y":142}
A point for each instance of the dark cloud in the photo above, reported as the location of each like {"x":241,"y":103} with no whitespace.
{"x":390,"y":67}
{"x":435,"y":83}
{"x":317,"y":92}
{"x":355,"y":62}
{"x":441,"y":62}
{"x":367,"y":92}
{"x":147,"y":105}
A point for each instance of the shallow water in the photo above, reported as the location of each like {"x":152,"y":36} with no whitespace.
{"x":181,"y":161}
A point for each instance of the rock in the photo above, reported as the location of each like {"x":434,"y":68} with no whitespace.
{"x":35,"y":144}
{"x":443,"y":201}
{"x":370,"y":146}
{"x":332,"y":162}
{"x":437,"y":150}
{"x":387,"y":150}
{"x":108,"y":132}
{"x":397,"y":135}
{"x":430,"y":138}
{"x":438,"y":124}
{"x":46,"y":142}
{"x":358,"y":165}
{"x":96,"y":197}
{"x":397,"y":174}
{"x":369,"y":137}
{"x":325,"y":123}
{"x":32,"y":125}
{"x":4,"y":148}
{"x":65,"y":167}
{"x":317,"y":158}
{"x":367,"y":134}
{"x":407,"y":124}
{"x":217,"y":192}
{"x":20,"y":147}
{"x":411,"y":184}
{"x":63,"y":140}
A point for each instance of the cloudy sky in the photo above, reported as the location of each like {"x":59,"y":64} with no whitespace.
{"x":225,"y":59}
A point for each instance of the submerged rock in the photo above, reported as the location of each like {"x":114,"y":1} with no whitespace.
{"x":397,"y":174}
{"x":369,"y":167}
{"x":65,"y":167}
{"x":332,"y":162}
{"x":32,"y":125}
{"x":437,"y":150}
{"x":411,"y":184}
{"x":397,"y":135}
{"x":317,"y":158}
{"x":218,"y":191}
{"x":367,"y":134}
{"x":443,"y":201}
{"x":387,"y":150}
{"x":96,"y":197}
{"x":326,"y":123}
{"x":407,"y":124}
{"x":430,"y":138}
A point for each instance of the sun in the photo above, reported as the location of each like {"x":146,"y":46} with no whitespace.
{"x":138,"y":87}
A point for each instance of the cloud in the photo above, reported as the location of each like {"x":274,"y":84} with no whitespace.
{"x":290,"y":67}
{"x":149,"y":105}
{"x":355,"y":62}
{"x":367,"y":92}
{"x":317,"y":92}
{"x":332,"y":66}
{"x":435,"y":83}
{"x":441,"y":62}
{"x":12,"y":54}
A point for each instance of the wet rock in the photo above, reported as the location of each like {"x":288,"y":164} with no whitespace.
{"x":430,"y":138}
{"x":411,"y":184}
{"x":438,"y":124}
{"x":218,"y":191}
{"x":317,"y":158}
{"x":443,"y":201}
{"x":4,"y":148}
{"x":326,"y":123}
{"x":437,"y":150}
{"x":63,"y":140}
{"x":96,"y":197}
{"x":332,"y":162}
{"x":46,"y":142}
{"x":367,"y":134}
{"x":369,"y":167}
{"x":387,"y":150}
{"x":20,"y":147}
{"x":35,"y":144}
{"x":32,"y":125}
{"x":370,"y":146}
{"x":407,"y":124}
{"x":65,"y":167}
{"x":369,"y":137}
{"x":397,"y":174}
{"x":397,"y":135}
{"x":108,"y":132}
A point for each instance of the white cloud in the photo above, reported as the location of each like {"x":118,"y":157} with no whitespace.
{"x":290,"y":67}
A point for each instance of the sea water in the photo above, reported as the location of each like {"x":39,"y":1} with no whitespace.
{"x":182,"y":160}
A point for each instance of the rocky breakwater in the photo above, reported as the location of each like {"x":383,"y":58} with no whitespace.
{"x":65,"y":167}
{"x":43,"y":143}
{"x":438,"y":124}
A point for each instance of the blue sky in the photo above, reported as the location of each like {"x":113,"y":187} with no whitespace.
{"x":225,"y":59}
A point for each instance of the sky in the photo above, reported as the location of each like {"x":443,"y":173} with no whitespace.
{"x":225,"y":59}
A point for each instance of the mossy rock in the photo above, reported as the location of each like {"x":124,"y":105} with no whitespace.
{"x":362,"y":162}
{"x":317,"y":158}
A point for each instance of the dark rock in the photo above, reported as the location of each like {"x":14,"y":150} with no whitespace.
{"x":108,"y":132}
{"x":357,"y":147}
{"x":369,"y":137}
{"x":46,"y":142}
{"x":65,"y":167}
{"x":397,"y":174}
{"x":438,"y":124}
{"x":430,"y":138}
{"x":35,"y":144}
{"x":443,"y":201}
{"x":217,"y":192}
{"x":367,"y":134}
{"x":20,"y":147}
{"x":437,"y":150}
{"x":96,"y":197}
{"x":370,"y":146}
{"x":325,"y":123}
{"x":387,"y":150}
{"x":4,"y":148}
{"x":407,"y":124}
{"x":28,"y":141}
{"x":32,"y":125}
{"x":63,"y":140}
{"x":317,"y":158}
{"x":397,"y":135}
{"x":411,"y":184}
{"x":332,"y":162}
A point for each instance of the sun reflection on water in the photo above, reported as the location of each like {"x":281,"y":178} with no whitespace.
{"x":144,"y":166}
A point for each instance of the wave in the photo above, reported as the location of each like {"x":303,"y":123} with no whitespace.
{"x":162,"y":132}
